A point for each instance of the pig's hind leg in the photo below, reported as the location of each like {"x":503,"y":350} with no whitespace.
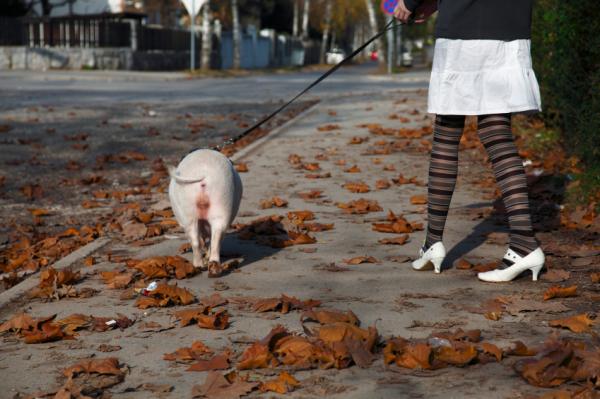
{"x":198,"y":245}
{"x":214,"y":265}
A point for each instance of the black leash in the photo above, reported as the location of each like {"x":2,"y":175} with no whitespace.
{"x":313,"y":84}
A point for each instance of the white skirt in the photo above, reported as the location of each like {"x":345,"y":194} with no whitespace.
{"x":479,"y":77}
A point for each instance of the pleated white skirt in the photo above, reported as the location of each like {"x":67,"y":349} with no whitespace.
{"x":480,"y":77}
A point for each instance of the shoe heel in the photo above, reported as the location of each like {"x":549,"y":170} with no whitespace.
{"x":535,"y":271}
{"x":437,"y":264}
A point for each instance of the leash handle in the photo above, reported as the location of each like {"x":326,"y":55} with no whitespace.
{"x":313,"y":84}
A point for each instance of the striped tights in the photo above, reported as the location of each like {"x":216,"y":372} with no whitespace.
{"x":495,"y":133}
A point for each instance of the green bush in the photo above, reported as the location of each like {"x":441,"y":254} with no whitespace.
{"x":566,"y":53}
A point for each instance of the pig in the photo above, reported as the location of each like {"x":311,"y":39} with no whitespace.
{"x":205,"y":194}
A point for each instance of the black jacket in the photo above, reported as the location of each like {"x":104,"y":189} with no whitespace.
{"x":481,"y":19}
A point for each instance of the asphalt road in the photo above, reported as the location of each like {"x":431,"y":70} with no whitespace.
{"x":64,"y":88}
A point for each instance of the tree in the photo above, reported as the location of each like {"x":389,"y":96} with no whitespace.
{"x":295,"y":21}
{"x":206,"y":36}
{"x":236,"y":34}
{"x":326,"y":30}
{"x":375,"y":29}
{"x":306,"y":12}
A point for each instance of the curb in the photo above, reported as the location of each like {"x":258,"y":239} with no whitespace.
{"x":30,"y":282}
{"x":255,"y":145}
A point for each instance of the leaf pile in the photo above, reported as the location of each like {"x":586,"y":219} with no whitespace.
{"x":165,"y":295}
{"x":559,"y":362}
{"x":397,"y":225}
{"x":270,"y":230}
{"x":338,"y":343}
{"x":441,"y":350}
{"x":360,"y":206}
{"x":164,"y":267}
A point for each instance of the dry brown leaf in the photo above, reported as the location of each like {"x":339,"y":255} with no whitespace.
{"x":273,"y":202}
{"x":165,"y":266}
{"x":313,"y":194}
{"x":560,"y":292}
{"x":352,"y":169}
{"x":578,"y":324}
{"x":358,"y":187}
{"x":360,"y":206}
{"x":242,"y":167}
{"x":418,"y":199}
{"x":330,"y":316}
{"x":196,"y":352}
{"x":283,"y":304}
{"x":357,"y":260}
{"x":401,"y":240}
{"x":107,"y":366}
{"x":257,"y":356}
{"x":165,"y":295}
{"x":283,"y":384}
{"x":318,"y":175}
{"x":312,"y":167}
{"x":218,"y":362}
{"x":203,"y":316}
{"x":382,"y":184}
{"x":397,"y":225}
{"x":116,"y":280}
{"x":217,"y":386}
{"x":492,"y":350}
{"x":328,"y":128}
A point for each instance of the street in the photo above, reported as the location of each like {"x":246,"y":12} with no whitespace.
{"x":97,"y":143}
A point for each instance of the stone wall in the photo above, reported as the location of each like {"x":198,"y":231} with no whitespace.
{"x":40,"y":58}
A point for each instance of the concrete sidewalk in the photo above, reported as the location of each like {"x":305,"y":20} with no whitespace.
{"x":388,"y":294}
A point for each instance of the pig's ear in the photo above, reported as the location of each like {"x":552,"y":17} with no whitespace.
{"x":172,"y":170}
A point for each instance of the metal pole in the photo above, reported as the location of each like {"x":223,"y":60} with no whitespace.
{"x":390,"y":50}
{"x":193,"y":37}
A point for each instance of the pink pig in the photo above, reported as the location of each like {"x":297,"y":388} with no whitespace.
{"x":205,"y":194}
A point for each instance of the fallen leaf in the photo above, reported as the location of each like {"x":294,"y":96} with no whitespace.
{"x":218,"y":362}
{"x":330,"y":316}
{"x":116,"y":280}
{"x":401,"y":240}
{"x":578,"y":324}
{"x":242,"y":167}
{"x":556,"y":275}
{"x":216,"y":386}
{"x":360,"y":206}
{"x":273,"y":202}
{"x":418,"y":200}
{"x":382,"y":184}
{"x":328,"y":128}
{"x":165,"y":295}
{"x":283,"y":384}
{"x":361,"y":259}
{"x":560,"y":292}
{"x":257,"y":356}
{"x":358,"y":187}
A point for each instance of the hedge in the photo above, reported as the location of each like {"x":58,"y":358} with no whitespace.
{"x":566,"y":53}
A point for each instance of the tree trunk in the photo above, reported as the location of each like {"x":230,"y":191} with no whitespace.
{"x":46,"y":7}
{"x":206,"y":36}
{"x":305,"y":19}
{"x":295,"y":22}
{"x":236,"y":35}
{"x":326,"y":30}
{"x":374,"y":30}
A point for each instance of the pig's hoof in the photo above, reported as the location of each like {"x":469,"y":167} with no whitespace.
{"x":214,"y":269}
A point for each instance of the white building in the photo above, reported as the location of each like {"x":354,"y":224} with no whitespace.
{"x":89,"y":7}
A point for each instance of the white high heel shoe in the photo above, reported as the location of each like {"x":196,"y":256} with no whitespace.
{"x":434,"y":256}
{"x":534,"y":262}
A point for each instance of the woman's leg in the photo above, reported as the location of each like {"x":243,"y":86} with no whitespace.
{"x":443,"y":168}
{"x":495,"y":133}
